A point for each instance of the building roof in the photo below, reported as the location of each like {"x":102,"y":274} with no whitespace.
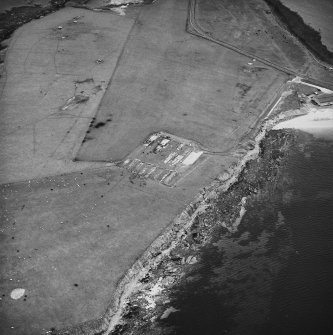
{"x":325,"y":98}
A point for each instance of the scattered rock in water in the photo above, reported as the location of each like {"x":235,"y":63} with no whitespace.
{"x":17,"y":293}
{"x":191,"y":260}
{"x":168,"y":311}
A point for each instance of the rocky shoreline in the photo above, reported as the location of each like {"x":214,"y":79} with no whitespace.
{"x":144,"y":297}
{"x":295,"y":24}
{"x":18,"y":16}
{"x":143,"y":294}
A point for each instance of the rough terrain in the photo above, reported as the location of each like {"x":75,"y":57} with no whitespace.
{"x":176,"y":280}
{"x":82,"y":89}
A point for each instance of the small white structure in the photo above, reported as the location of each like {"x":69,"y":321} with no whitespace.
{"x":192,"y":157}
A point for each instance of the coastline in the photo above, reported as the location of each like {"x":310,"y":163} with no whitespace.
{"x":161,"y":266}
{"x":305,"y":33}
{"x":251,"y":281}
{"x":317,"y":123}
{"x":185,"y":226}
{"x":14,"y":18}
{"x":317,"y":14}
{"x":145,"y":296}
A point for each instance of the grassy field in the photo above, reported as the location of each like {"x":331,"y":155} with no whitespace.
{"x":168,"y":80}
{"x":90,"y":226}
{"x":249,"y":25}
{"x":67,"y":240}
{"x":252,"y":27}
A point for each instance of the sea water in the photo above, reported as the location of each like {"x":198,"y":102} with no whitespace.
{"x":316,"y":13}
{"x":274,"y":274}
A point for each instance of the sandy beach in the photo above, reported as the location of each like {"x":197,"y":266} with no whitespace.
{"x":318,"y":122}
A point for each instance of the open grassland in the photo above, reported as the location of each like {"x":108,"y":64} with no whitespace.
{"x":69,"y":237}
{"x":67,"y":240}
{"x":250,"y":26}
{"x":168,"y":80}
{"x":253,"y":27}
{"x":93,"y":86}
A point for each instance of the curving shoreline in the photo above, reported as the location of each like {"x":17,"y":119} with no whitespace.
{"x":305,"y":33}
{"x":201,"y":203}
{"x":145,"y":289}
{"x":163,"y":265}
{"x":144,"y":277}
{"x":14,"y":18}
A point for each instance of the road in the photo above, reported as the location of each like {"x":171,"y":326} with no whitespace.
{"x":70,"y":230}
{"x":194,"y":28}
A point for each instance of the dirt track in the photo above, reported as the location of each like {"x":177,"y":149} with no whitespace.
{"x":167,"y":79}
{"x":90,"y":220}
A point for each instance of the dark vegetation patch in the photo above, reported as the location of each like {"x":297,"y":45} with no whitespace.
{"x":99,"y":125}
{"x":17,"y":16}
{"x":88,"y":80}
{"x":119,"y":329}
{"x":97,"y":88}
{"x":87,"y":138}
{"x":96,"y":125}
{"x":80,"y":99}
{"x":257,"y":69}
{"x":243,"y":89}
{"x":306,"y":34}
